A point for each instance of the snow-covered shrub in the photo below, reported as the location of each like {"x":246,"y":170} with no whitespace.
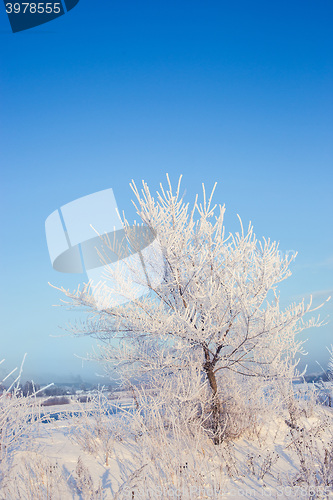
{"x":330,"y":377}
{"x":97,"y":427}
{"x":85,"y":483}
{"x":170,"y":456}
{"x":325,"y":388}
{"x":18,"y":421}
{"x":261,"y":464}
{"x":37,"y":478}
{"x":313,"y":444}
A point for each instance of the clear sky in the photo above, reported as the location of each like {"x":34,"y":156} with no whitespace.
{"x":235,"y":92}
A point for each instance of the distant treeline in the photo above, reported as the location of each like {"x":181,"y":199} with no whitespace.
{"x":29,"y":387}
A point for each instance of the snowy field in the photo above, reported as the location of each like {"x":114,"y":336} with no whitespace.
{"x":92,"y":451}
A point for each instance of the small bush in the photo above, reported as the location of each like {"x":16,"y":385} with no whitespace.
{"x":84,"y":399}
{"x":56,"y":401}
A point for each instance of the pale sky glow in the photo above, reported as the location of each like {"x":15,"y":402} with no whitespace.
{"x":238,"y":93}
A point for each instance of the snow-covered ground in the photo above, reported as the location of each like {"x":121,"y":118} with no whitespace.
{"x":92,"y":456}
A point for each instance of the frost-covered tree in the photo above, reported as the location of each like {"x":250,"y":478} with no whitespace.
{"x":216,"y":308}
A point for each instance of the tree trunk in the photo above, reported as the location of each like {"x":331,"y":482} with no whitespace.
{"x":216,"y":405}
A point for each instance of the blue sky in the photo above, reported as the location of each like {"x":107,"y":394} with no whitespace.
{"x":234,"y":92}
